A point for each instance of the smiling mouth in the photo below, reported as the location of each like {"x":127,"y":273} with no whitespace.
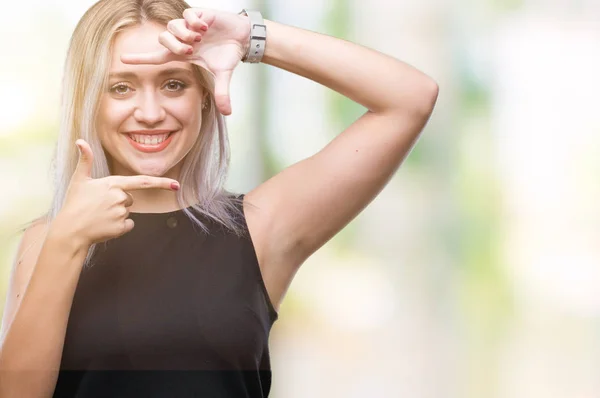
{"x":150,"y":142}
{"x":146,"y":139}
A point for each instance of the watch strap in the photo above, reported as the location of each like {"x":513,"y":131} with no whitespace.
{"x":258,"y":37}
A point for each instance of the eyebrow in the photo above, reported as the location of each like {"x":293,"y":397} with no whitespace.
{"x":165,"y":72}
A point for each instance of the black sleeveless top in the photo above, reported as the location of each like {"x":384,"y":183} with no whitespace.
{"x":168,"y":310}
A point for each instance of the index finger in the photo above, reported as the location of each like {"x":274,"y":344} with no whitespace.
{"x":133,"y":183}
{"x":153,"y":58}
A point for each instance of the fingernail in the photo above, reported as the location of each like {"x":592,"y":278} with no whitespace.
{"x":175,"y":186}
{"x":198,"y":38}
{"x":189,"y":51}
{"x":204,"y":28}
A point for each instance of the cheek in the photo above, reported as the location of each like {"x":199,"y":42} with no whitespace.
{"x":189,"y":115}
{"x":111,"y":116}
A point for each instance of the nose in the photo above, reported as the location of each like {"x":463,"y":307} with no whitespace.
{"x":149,"y":109}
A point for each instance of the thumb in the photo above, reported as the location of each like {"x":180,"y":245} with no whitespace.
{"x":86,"y":160}
{"x":222,"y":80}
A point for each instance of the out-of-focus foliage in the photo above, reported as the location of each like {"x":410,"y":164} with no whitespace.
{"x":475,"y":272}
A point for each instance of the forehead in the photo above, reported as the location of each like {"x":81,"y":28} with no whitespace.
{"x":139,"y":39}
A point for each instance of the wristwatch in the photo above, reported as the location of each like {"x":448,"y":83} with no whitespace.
{"x":258,"y":36}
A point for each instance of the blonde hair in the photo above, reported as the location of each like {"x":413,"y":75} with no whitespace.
{"x":86,"y":69}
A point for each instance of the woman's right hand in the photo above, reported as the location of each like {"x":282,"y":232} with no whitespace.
{"x":96,"y":210}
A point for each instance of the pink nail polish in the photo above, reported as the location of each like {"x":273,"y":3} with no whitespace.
{"x":198,"y":38}
{"x":189,"y":51}
{"x":175,"y":186}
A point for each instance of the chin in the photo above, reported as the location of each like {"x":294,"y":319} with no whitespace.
{"x":154,"y":170}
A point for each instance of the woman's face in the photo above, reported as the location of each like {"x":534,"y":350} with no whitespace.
{"x":150,"y":115}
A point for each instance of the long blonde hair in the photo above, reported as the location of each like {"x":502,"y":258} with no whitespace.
{"x":86,"y":69}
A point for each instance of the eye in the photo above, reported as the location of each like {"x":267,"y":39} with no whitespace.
{"x":120,"y":89}
{"x":175,"y":85}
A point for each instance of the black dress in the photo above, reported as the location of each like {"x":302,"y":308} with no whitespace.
{"x":168,"y":310}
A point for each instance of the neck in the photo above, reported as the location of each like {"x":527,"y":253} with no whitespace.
{"x":154,"y":201}
{"x":151,"y":200}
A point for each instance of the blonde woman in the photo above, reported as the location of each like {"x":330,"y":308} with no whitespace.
{"x":147,"y":278}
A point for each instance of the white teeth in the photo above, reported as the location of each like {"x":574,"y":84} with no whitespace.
{"x":149,"y":139}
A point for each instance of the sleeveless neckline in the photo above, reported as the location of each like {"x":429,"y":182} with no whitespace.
{"x":164,"y":214}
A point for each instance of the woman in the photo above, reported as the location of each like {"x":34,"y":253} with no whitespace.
{"x":188,"y":279}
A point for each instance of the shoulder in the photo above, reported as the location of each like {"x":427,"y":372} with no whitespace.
{"x":276,"y":265}
{"x":24,"y":263}
{"x":30,"y":247}
{"x":265,"y":230}
{"x":33,"y":237}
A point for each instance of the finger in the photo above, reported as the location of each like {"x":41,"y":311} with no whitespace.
{"x":86,"y":160}
{"x":205,"y":15}
{"x":128,"y":225}
{"x":129,"y":200}
{"x":125,"y":198}
{"x":154,"y":58}
{"x":133,"y":183}
{"x":193,"y":21}
{"x":179,"y":29}
{"x":174,"y":45}
{"x":222,"y":80}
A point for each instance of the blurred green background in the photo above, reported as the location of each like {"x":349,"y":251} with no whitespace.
{"x":475,"y":273}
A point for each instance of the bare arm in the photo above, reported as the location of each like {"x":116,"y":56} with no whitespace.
{"x":45,"y":277}
{"x":41,"y":290}
{"x":377,"y":81}
{"x":306,"y":204}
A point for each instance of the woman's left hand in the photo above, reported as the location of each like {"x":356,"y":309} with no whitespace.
{"x":214,"y":40}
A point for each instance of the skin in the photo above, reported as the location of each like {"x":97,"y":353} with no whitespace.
{"x":143,"y":97}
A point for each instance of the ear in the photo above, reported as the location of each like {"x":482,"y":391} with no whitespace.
{"x":205,"y":99}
